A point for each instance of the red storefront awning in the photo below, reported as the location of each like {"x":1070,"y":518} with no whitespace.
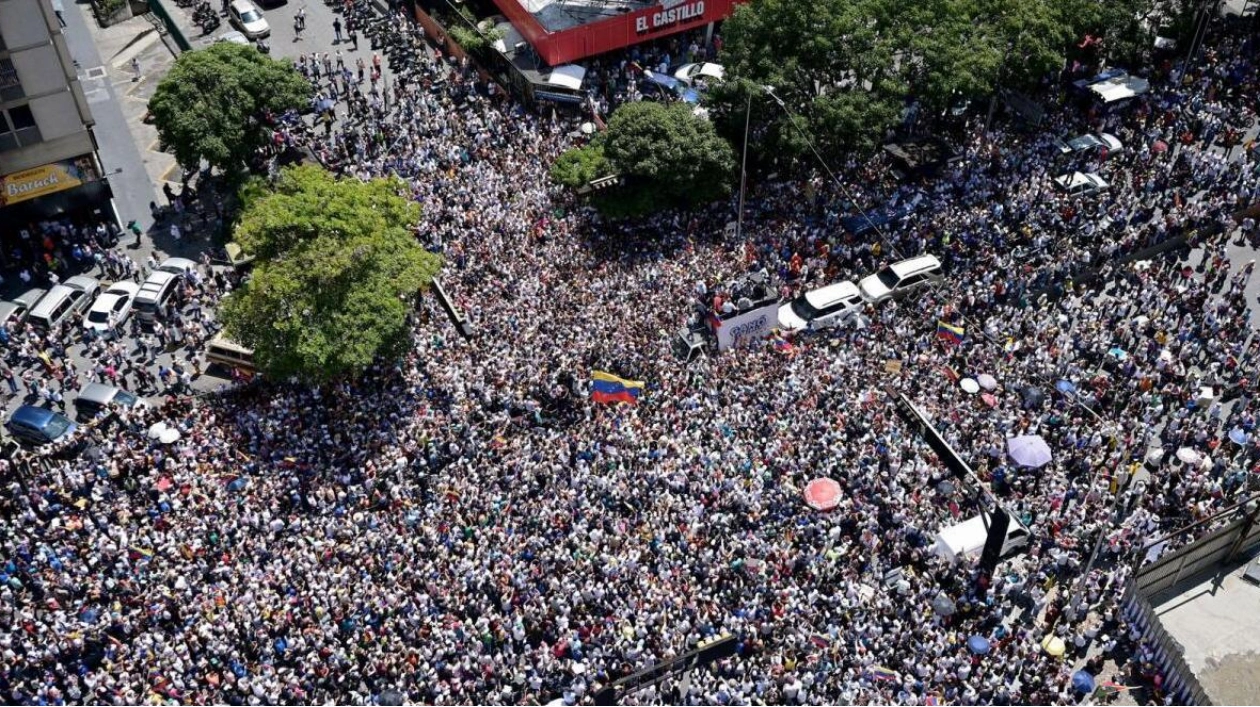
{"x":614,"y":33}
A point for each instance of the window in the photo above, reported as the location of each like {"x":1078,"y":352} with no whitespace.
{"x":10,"y":84}
{"x":8,"y":141}
{"x":23,"y":122}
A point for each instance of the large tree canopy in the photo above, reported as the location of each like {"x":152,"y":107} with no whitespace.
{"x":664,"y":153}
{"x":337,"y":272}
{"x":848,"y":67}
{"x":211,"y":103}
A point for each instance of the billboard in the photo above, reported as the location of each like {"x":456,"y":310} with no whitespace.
{"x":47,"y":179}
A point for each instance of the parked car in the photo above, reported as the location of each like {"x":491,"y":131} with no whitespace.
{"x":1080,"y":183}
{"x":707,"y":71}
{"x":96,"y":397}
{"x":246,"y":16}
{"x":14,"y":311}
{"x":833,"y":305}
{"x":233,"y":37}
{"x":157,"y":290}
{"x":1090,"y":143}
{"x":114,"y":303}
{"x":37,"y":425}
{"x":659,"y":87}
{"x":178,"y":266}
{"x":900,"y":279}
{"x":64,"y":301}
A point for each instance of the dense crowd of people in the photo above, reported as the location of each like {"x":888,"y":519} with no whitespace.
{"x":464,"y":526}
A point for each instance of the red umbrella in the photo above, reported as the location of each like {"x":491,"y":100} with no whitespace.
{"x":822,"y":494}
{"x":1159,"y":146}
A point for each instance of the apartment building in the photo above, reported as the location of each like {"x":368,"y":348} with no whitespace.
{"x":48,"y":160}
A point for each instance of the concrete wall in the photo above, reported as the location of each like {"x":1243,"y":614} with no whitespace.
{"x":34,"y":44}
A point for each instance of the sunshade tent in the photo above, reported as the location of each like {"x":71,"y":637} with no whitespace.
{"x":1029,"y":451}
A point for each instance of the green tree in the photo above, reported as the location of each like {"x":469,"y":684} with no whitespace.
{"x":337,"y":273}
{"x":579,"y":166}
{"x":664,"y":153}
{"x":668,"y":155}
{"x":831,"y":62}
{"x":209,"y":106}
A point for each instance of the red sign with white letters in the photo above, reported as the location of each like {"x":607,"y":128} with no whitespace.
{"x":670,"y":17}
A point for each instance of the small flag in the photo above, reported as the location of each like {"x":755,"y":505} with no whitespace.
{"x":782,"y":345}
{"x":881,"y":674}
{"x":607,"y":388}
{"x":949,"y":332}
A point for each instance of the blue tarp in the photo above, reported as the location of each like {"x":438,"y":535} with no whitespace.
{"x":859,"y":224}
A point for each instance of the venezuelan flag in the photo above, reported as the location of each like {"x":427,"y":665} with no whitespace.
{"x":949,"y":332}
{"x":607,"y":388}
{"x":881,"y":674}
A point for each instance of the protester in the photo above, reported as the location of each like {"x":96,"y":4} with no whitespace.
{"x":465,"y":526}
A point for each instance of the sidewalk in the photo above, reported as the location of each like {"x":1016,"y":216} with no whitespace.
{"x":128,"y":145}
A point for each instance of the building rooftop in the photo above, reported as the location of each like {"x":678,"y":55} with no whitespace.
{"x":557,"y":15}
{"x":1216,"y":618}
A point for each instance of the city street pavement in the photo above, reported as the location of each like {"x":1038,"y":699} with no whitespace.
{"x":130,"y":158}
{"x":106,"y":90}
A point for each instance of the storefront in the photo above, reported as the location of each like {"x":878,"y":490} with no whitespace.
{"x":70,"y":188}
{"x":606,"y":35}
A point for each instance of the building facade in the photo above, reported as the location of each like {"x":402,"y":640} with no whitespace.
{"x":48,"y":158}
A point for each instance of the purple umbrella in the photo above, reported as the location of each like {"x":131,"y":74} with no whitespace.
{"x":1030,"y":451}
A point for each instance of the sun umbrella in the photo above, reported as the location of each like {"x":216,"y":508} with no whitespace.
{"x":1065,"y":386}
{"x":978,"y":645}
{"x":1117,"y":353}
{"x":1141,"y":320}
{"x":943,"y":605}
{"x":1159,"y":146}
{"x":1054,"y":645}
{"x":325,"y":104}
{"x":1033,"y":397}
{"x":1083,"y":682}
{"x":822,"y":494}
{"x":168,"y":435}
{"x":1029,"y":450}
{"x":156,"y":430}
{"x":970,"y":385}
{"x":989,"y":399}
{"x":986,"y":381}
{"x":1189,"y":456}
{"x":1239,"y":436}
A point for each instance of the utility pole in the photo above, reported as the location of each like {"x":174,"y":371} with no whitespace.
{"x":743,"y":170}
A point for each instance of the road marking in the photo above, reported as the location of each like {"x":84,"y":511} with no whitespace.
{"x":97,"y":95}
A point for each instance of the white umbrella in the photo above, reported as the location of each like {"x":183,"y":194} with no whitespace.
{"x":587,"y":128}
{"x":986,"y":381}
{"x":1189,"y":456}
{"x":969,"y":385}
{"x":168,"y":435}
{"x":156,"y":430}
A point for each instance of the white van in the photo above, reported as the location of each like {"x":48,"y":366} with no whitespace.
{"x":900,"y":279}
{"x":965,"y":541}
{"x":154,"y":294}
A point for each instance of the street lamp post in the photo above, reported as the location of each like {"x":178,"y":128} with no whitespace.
{"x":743,"y":170}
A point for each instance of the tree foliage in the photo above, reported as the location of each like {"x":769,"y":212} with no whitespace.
{"x":209,"y":106}
{"x":665,"y":154}
{"x":581,"y":165}
{"x":848,"y":67}
{"x":336,"y":274}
